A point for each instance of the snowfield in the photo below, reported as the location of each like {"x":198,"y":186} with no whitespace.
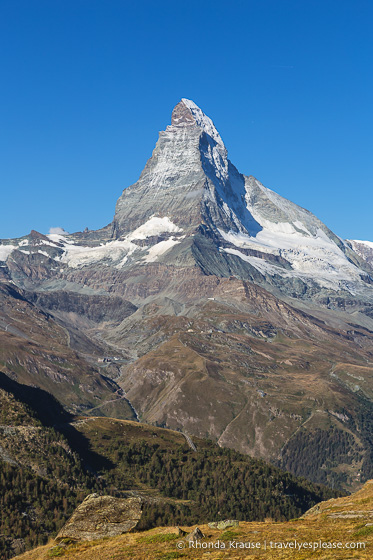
{"x":312,"y":257}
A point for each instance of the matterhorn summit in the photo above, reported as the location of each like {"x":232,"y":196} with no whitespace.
{"x":188,"y":170}
{"x":248,"y":230}
{"x":191,"y":206}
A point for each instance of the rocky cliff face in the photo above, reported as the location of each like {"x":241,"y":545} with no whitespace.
{"x":364,"y":249}
{"x":223,"y":307}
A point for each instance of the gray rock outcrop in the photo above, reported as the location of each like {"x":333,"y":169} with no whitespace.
{"x":195,"y":535}
{"x":224,"y":524}
{"x":101,"y":516}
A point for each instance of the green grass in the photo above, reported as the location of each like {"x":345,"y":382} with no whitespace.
{"x":56,"y":551}
{"x":364,"y":531}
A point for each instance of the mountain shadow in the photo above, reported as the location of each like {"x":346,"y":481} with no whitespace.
{"x":48,"y":410}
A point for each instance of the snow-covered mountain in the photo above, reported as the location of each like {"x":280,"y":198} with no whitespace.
{"x":189,"y":194}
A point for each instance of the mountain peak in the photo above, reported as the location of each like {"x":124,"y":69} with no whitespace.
{"x":182,"y":115}
{"x":187,"y":113}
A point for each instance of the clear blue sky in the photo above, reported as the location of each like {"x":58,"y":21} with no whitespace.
{"x":87,"y":84}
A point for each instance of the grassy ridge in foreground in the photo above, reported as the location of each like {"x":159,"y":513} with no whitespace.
{"x":344,"y":520}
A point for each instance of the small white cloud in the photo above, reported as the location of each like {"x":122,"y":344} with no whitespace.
{"x":58,"y":230}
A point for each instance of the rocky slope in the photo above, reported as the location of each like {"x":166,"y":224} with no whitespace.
{"x":36,"y":350}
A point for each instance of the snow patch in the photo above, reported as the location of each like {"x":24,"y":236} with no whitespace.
{"x":5,"y":251}
{"x":58,"y":238}
{"x":260,"y":264}
{"x":119,"y":250}
{"x":76,"y":256}
{"x":50,"y":243}
{"x":154,"y":226}
{"x":243,"y":240}
{"x":161,"y":248}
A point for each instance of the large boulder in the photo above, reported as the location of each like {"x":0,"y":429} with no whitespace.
{"x":101,"y":516}
{"x":195,"y":535}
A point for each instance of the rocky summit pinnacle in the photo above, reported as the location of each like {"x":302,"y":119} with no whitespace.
{"x":187,"y":165}
{"x":187,"y":113}
{"x":189,"y":170}
{"x":182,"y":115}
